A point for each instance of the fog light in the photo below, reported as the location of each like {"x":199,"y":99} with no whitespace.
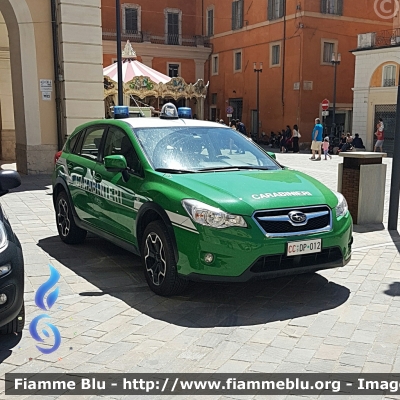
{"x":208,"y":258}
{"x":4,"y":269}
{"x":3,"y":298}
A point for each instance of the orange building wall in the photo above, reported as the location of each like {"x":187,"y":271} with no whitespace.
{"x":376,"y":79}
{"x":153,"y":15}
{"x":153,"y":21}
{"x":279,"y":103}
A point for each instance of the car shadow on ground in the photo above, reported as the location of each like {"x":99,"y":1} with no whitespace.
{"x":7,"y":344}
{"x":118,"y":273}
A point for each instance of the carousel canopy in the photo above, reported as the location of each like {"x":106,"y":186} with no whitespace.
{"x":143,"y":81}
{"x":132,"y":68}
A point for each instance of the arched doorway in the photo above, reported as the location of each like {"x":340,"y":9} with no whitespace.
{"x":25,"y":42}
{"x":72,"y":96}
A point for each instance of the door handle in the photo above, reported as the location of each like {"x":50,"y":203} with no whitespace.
{"x":97,"y":177}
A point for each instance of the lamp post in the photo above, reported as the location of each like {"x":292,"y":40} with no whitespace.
{"x":257,"y":71}
{"x":119,"y":53}
{"x":335,"y":62}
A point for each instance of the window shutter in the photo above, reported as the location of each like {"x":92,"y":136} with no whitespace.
{"x":339,"y":7}
{"x":241,"y":9}
{"x":281,"y":8}
{"x":234,"y":15}
{"x":323,"y":6}
{"x":131,"y":19}
{"x":270,"y":11}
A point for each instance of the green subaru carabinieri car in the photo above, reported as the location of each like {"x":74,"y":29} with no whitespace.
{"x":197,"y":201}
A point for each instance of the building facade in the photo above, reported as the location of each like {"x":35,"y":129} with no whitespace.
{"x":51,"y":76}
{"x":294,"y":40}
{"x":375,"y":84}
{"x":166,"y":35}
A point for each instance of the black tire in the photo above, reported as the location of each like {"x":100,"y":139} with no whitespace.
{"x":16,"y":325}
{"x":159,"y":262}
{"x":68,"y":231}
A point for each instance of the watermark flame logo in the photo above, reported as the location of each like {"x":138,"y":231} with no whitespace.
{"x":40,"y":302}
{"x":386,"y":9}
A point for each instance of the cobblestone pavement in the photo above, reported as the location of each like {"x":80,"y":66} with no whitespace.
{"x":341,"y":320}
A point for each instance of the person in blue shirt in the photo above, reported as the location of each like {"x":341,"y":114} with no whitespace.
{"x":316,"y":140}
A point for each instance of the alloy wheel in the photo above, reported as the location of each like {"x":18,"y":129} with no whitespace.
{"x":62,"y":217}
{"x":154,"y":258}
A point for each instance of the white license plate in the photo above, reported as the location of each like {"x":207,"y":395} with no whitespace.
{"x":304,"y":247}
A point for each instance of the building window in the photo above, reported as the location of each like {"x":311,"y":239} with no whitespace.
{"x":173,"y":70}
{"x":275,"y":54}
{"x":131,"y":16}
{"x":173,"y":26}
{"x":213,"y":98}
{"x":329,"y":49}
{"x":210,"y":21}
{"x":332,"y":7}
{"x":237,"y":14}
{"x":237,"y":61}
{"x":215,"y":66}
{"x":275,"y":9}
{"x":389,"y":75}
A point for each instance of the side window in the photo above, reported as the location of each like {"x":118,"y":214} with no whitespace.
{"x":91,"y":142}
{"x":118,"y":142}
{"x":72,"y":144}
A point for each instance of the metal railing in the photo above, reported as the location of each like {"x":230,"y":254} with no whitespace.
{"x":169,"y":39}
{"x":389,"y":82}
{"x":389,"y":37}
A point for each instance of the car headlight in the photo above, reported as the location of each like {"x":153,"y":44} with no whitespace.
{"x":207,"y":215}
{"x":341,"y":208}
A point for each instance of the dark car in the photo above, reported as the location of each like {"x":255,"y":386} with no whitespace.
{"x":12,"y":314}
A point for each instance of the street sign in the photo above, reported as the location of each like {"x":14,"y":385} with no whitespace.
{"x":229,"y":110}
{"x":325,"y":113}
{"x":229,"y":115}
{"x":325,"y":104}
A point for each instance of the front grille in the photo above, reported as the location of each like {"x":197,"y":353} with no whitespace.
{"x":276,"y":223}
{"x":282,"y":261}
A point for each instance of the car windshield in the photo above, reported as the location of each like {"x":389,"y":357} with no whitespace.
{"x":197,"y":149}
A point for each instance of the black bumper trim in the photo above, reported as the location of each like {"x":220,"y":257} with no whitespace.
{"x":249,"y":276}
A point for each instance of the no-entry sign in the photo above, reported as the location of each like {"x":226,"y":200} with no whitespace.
{"x":325,"y":104}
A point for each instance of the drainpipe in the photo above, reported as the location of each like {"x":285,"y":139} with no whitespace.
{"x":283,"y":58}
{"x":202,"y":17}
{"x":60,"y":139}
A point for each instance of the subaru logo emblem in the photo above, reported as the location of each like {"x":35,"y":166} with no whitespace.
{"x":297,"y":217}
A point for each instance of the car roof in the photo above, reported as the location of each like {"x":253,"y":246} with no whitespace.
{"x":160,"y":123}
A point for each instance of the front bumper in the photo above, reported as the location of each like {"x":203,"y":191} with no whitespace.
{"x":245,"y":254}
{"x":12,"y":284}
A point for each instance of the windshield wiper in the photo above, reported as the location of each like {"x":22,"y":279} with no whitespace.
{"x":175,"y":171}
{"x":234,"y":167}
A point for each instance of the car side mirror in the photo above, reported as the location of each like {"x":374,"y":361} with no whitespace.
{"x":271,"y":154}
{"x":9,"y":180}
{"x":115,"y":163}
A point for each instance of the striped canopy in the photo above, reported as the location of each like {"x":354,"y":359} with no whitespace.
{"x":133,"y":68}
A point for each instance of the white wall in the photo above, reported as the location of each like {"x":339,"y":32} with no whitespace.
{"x":365,"y":98}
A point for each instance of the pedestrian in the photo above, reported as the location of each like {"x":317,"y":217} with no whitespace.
{"x":282,"y":141}
{"x":288,"y":137}
{"x":316,"y":137}
{"x":295,"y":138}
{"x":233,"y":124}
{"x":380,"y":128}
{"x":325,"y":147}
{"x":241,"y":127}
{"x":221,"y":121}
{"x":358,"y":142}
{"x":342,"y":141}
